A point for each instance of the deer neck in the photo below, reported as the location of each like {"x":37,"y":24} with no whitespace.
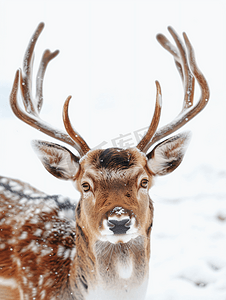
{"x":115,"y":270}
{"x":121,"y":260}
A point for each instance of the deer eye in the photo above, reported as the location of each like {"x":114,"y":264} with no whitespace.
{"x":144,"y":183}
{"x":86,"y":187}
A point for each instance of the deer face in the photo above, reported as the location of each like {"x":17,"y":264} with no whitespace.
{"x":114,"y":186}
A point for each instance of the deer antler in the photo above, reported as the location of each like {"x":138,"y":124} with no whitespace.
{"x":183,"y":63}
{"x":155,"y":119}
{"x":33,"y":106}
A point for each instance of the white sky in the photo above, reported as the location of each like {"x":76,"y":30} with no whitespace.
{"x":109,"y":60}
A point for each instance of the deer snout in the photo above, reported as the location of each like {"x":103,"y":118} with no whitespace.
{"x":119,"y":226}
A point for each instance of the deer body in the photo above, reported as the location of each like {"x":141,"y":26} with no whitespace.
{"x":105,"y":252}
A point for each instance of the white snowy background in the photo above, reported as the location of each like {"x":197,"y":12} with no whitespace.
{"x":109,"y":59}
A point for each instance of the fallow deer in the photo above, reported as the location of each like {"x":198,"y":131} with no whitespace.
{"x":105,"y":252}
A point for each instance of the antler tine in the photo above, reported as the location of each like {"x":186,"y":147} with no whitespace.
{"x":73,"y":134}
{"x":46,"y":58}
{"x":189,"y":81}
{"x":165,"y":43}
{"x":188,"y":111}
{"x":26,"y":78}
{"x":205,"y":93}
{"x":182,"y":65}
{"x":30,"y":104}
{"x":32,"y":108}
{"x":155,"y":121}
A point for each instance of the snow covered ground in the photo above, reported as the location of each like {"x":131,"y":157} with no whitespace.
{"x":189,"y":239}
{"x":109,"y":59}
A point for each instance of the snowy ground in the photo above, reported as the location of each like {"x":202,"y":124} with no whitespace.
{"x":108,"y":62}
{"x":189,"y":240}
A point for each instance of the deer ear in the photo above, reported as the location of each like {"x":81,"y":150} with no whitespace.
{"x":57,"y":160}
{"x":168,"y":155}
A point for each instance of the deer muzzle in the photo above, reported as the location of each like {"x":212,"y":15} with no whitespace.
{"x":119,"y":225}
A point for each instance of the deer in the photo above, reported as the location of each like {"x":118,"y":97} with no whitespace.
{"x":104,"y":252}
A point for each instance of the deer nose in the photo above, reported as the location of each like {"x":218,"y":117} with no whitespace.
{"x":119,"y":227}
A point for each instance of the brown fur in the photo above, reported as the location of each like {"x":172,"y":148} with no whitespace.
{"x":31,"y":235}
